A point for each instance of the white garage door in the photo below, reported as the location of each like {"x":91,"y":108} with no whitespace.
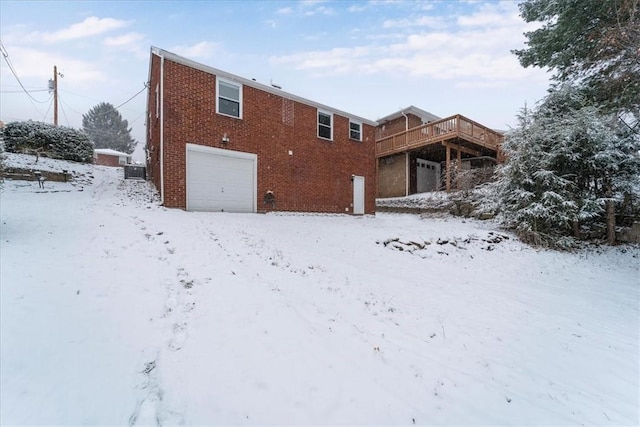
{"x":220,"y":180}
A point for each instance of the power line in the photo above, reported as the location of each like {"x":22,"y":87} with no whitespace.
{"x":5,"y":54}
{"x":67,"y":105}
{"x":63,"y":112}
{"x":137,"y":118}
{"x":77,"y":94}
{"x":45,"y":114}
{"x":31,"y":89}
{"x":20,"y":91}
{"x":146,"y":85}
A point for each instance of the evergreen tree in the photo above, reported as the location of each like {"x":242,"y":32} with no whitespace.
{"x":567,"y":165}
{"x":595,"y":43}
{"x":106,"y":128}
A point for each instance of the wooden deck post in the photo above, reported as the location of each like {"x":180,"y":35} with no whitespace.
{"x":458,"y":166}
{"x":447,"y":171}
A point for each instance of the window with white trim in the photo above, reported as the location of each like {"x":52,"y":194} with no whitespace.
{"x":355,"y":130}
{"x":325,"y":125}
{"x":229,"y":99}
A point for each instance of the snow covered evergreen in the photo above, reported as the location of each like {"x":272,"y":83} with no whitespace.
{"x":568,"y":165}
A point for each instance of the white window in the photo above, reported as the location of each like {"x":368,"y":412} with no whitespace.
{"x":355,"y":130}
{"x":325,"y":125}
{"x":229,"y":99}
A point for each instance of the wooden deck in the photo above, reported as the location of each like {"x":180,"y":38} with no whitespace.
{"x":450,"y":128}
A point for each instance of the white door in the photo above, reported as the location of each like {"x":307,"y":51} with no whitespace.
{"x":358,"y":195}
{"x":220,"y":180}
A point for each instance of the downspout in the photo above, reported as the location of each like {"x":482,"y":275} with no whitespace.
{"x":406,"y":121}
{"x":406,"y":155}
{"x":162,"y":128}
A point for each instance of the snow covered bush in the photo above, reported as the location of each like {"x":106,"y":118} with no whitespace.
{"x":71,"y":144}
{"x":53,"y":141}
{"x":568,"y":166}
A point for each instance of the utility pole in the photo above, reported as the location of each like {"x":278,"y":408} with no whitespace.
{"x":55,"y":95}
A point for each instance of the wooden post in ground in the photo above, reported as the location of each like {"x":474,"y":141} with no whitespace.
{"x":447,"y":170}
{"x":458,"y":166}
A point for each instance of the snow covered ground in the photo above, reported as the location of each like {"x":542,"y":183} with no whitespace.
{"x":117,"y":311}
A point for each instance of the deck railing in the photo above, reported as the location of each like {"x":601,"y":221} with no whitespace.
{"x":441,"y":130}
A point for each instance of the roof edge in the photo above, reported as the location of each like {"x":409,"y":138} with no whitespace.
{"x":252,"y":83}
{"x":410,"y":109}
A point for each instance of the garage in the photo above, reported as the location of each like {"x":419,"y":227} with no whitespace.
{"x":220,"y":180}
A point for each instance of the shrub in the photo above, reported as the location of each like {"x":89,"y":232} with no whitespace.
{"x":53,"y":141}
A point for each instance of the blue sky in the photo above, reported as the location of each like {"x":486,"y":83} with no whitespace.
{"x":369,"y":58}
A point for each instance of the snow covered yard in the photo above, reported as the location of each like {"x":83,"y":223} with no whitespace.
{"x":117,"y":311}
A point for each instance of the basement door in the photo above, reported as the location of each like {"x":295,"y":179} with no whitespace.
{"x":220,"y":180}
{"x":427,"y":176}
{"x":358,"y":195}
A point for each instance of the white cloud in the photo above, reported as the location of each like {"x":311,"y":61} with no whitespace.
{"x":491,"y":15}
{"x":320,"y":10}
{"x":333,"y":61}
{"x":315,"y":37}
{"x":385,"y":2}
{"x":204,"y":49}
{"x":477,"y":51}
{"x":307,"y":8}
{"x":124,"y":40}
{"x":91,"y":26}
{"x":37,"y":65}
{"x":422,"y":21}
{"x":481,"y":19}
{"x":385,"y":36}
{"x":355,"y":8}
{"x":479,"y":84}
{"x":310,"y":3}
{"x":130,"y":42}
{"x":285,"y":11}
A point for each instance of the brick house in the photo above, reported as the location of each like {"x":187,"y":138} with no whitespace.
{"x":109,"y":157}
{"x":220,"y":142}
{"x":415,"y":152}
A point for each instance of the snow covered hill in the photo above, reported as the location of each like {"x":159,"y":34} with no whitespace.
{"x":115,"y":310}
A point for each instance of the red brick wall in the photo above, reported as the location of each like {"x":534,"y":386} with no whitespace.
{"x":398,"y":125}
{"x":106,"y":160}
{"x":392,"y":176}
{"x":315,"y":178}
